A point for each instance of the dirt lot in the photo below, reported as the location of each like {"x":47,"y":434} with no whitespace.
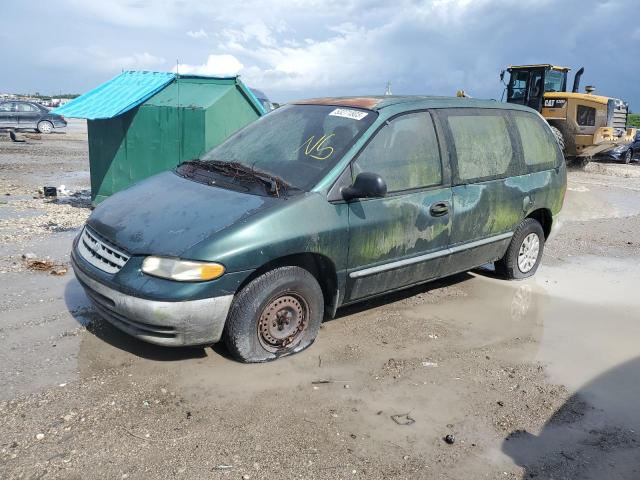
{"x":535,"y":379}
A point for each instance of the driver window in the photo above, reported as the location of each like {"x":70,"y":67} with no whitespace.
{"x":404,"y":153}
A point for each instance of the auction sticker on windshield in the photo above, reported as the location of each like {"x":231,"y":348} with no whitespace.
{"x":348,"y":113}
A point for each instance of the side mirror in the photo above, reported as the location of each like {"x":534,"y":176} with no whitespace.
{"x":366,"y":185}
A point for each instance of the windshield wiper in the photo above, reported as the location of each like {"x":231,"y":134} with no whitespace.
{"x":273,"y":185}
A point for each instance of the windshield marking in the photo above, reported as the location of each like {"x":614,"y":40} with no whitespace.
{"x":317,"y":150}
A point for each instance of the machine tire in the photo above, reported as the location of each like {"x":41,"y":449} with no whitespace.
{"x":628,"y":156}
{"x":559,"y":137}
{"x":508,"y":266}
{"x":45,"y":126}
{"x":248,"y":332}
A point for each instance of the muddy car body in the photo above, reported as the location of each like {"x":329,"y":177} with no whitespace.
{"x":320,"y":204}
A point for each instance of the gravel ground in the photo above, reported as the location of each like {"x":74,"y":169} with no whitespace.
{"x":521,"y":374}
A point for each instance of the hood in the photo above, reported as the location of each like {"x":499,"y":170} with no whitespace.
{"x":167,"y":214}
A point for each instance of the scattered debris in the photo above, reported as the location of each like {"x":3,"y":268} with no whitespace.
{"x":223,"y":467}
{"x":44,"y":265}
{"x":13,"y":137}
{"x":39,"y":436}
{"x":501,"y":403}
{"x":50,"y":192}
{"x":429,"y":364}
{"x":450,"y":439}
{"x":403,"y":419}
{"x":323,"y":381}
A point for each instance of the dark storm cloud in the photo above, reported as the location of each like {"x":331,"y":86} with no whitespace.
{"x":308,"y":48}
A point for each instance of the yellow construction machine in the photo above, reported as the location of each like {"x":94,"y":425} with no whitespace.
{"x":584,"y":123}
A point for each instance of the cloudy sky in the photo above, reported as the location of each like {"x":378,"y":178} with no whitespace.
{"x":298,"y":48}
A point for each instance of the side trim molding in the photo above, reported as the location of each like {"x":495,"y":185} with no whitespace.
{"x":429,"y":256}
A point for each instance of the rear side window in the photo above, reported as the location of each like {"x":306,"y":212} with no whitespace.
{"x":539,"y":146}
{"x":25,"y":107}
{"x":404,"y":153}
{"x":482,"y":143}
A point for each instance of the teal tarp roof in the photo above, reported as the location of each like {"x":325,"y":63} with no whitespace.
{"x":130,"y":89}
{"x":118,"y":95}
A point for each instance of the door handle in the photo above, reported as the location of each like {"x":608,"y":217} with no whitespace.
{"x":439,"y":209}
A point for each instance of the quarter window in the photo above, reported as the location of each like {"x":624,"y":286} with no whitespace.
{"x":586,"y":116}
{"x":539,"y":148}
{"x":482,"y":144}
{"x":5,"y":107}
{"x":404,"y":153}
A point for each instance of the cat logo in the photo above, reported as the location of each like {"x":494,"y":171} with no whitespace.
{"x":554,"y":103}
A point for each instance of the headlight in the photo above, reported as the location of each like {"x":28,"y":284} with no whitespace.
{"x":181,"y":270}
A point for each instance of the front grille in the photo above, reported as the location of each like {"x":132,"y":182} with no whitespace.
{"x":99,"y":253}
{"x":618,"y":119}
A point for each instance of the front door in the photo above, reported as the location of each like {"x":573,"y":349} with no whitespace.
{"x":399,"y":240}
{"x":536,"y":90}
{"x":7,"y":115}
{"x":489,"y":188}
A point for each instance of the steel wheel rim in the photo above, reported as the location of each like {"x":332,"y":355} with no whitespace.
{"x":528,"y":253}
{"x":282,"y":322}
{"x":45,"y":127}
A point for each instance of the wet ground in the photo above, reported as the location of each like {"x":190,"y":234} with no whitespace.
{"x":534,"y":379}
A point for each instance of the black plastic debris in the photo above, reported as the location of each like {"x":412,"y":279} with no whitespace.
{"x":50,"y":191}
{"x":450,"y":439}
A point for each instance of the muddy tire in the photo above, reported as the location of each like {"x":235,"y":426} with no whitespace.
{"x":559,"y":137}
{"x":276,"y":314}
{"x":524,"y":253}
{"x":45,"y":126}
{"x":628,"y":156}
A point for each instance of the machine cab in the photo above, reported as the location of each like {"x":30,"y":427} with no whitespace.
{"x":528,"y":83}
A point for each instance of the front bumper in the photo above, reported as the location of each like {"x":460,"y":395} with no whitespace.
{"x":193,"y":322}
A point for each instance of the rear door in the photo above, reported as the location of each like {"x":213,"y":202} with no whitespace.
{"x":399,"y":240}
{"x":28,"y":115}
{"x":489,"y":186}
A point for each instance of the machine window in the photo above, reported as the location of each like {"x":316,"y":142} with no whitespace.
{"x":482,"y":144}
{"x":586,"y":116}
{"x":404,"y":153}
{"x":554,"y":81}
{"x":518,"y":85}
{"x":538,"y":146}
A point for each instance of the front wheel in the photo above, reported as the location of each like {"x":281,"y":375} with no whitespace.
{"x":276,"y":314}
{"x":45,"y":126}
{"x":628,"y":155}
{"x":524,"y":253}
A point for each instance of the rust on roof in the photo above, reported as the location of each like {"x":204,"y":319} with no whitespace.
{"x":357,"y":102}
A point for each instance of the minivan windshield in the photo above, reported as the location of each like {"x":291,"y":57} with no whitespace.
{"x":298,"y":144}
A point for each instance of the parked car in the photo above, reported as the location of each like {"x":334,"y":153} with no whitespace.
{"x":29,"y":115}
{"x":320,"y":204}
{"x":625,"y":153}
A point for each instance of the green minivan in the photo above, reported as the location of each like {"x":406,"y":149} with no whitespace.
{"x":320,"y":204}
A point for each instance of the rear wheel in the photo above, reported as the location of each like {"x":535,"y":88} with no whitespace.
{"x":276,"y":314}
{"x":45,"y":126}
{"x":628,"y":156}
{"x":524,"y":253}
{"x":559,"y":137}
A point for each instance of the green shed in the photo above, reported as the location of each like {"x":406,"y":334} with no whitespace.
{"x":142,"y":123}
